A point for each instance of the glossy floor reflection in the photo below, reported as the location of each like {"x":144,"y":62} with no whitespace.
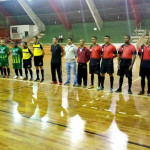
{"x":43,"y":116}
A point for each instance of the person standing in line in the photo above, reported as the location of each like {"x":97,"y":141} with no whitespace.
{"x":126,"y":59}
{"x":17,"y":60}
{"x":95,"y":58}
{"x":56,"y":65}
{"x":38,"y":58}
{"x":83,"y":58}
{"x":108,"y":53}
{"x":144,"y":54}
{"x":27,"y":61}
{"x":70,"y":57}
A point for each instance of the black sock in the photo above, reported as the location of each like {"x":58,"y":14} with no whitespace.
{"x":20,"y":71}
{"x":92,"y":79}
{"x":102,"y":81}
{"x":99,"y":80}
{"x":37,"y":73}
{"x":130,"y":82}
{"x":148,"y":84}
{"x":42,"y":73}
{"x":31,"y":73}
{"x":111,"y":81}
{"x":143,"y":83}
{"x":120,"y":83}
{"x":5,"y":71}
{"x":16,"y":72}
{"x":26,"y":72}
{"x":1,"y":71}
{"x":8,"y":71}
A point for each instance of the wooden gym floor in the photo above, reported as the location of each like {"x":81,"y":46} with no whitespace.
{"x":36,"y":116}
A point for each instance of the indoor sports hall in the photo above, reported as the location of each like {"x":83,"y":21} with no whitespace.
{"x":43,"y":103}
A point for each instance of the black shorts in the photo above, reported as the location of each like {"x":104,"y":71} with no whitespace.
{"x":94,"y":66}
{"x":144,"y":72}
{"x":38,"y":60}
{"x":107,"y":66}
{"x":124,"y":70}
{"x":27,"y":63}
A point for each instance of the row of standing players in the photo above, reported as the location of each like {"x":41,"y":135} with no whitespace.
{"x":126,"y":58}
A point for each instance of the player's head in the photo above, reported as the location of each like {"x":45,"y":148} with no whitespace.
{"x":35,"y":39}
{"x":82,"y":42}
{"x":24,"y":44}
{"x":94,"y":40}
{"x":127,"y":39}
{"x":69,"y":41}
{"x":146,"y":39}
{"x":107,"y":39}
{"x":16,"y":44}
{"x":2,"y":42}
{"x":55,"y":40}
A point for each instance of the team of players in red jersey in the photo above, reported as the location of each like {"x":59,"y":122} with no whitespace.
{"x":101,"y":62}
{"x":126,"y":58}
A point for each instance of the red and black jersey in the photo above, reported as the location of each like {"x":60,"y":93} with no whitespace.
{"x":144,"y":53}
{"x":126,"y":52}
{"x":108,"y":51}
{"x":95,"y":51}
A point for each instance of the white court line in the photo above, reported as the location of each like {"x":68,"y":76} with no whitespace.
{"x":132,"y":82}
{"x":77,"y":87}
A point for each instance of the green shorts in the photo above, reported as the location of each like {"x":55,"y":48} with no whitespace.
{"x":4,"y":62}
{"x":17,"y":65}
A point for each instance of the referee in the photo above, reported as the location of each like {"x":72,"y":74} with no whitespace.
{"x":57,"y":52}
{"x":38,"y":58}
{"x":144,"y":53}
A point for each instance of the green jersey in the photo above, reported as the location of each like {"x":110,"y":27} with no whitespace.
{"x":17,"y":55}
{"x":4,"y":51}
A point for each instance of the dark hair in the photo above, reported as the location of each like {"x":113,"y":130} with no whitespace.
{"x":55,"y":38}
{"x":147,"y":35}
{"x":107,"y":36}
{"x":128,"y":36}
{"x":94,"y":37}
{"x":36,"y":37}
{"x":16,"y":42}
{"x":25,"y":43}
{"x":70,"y":39}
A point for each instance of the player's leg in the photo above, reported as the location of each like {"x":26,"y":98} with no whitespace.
{"x":53,"y":72}
{"x":73,"y":68}
{"x":42,"y":73}
{"x":84,"y":74}
{"x":59,"y":73}
{"x":111,"y":82}
{"x":79,"y":75}
{"x":68,"y":68}
{"x":148,"y":85}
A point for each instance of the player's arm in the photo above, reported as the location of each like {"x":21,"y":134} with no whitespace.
{"x":30,"y":52}
{"x":140,"y":52}
{"x":119,"y":57}
{"x":133,"y":59}
{"x":41,"y":46}
{"x":8,"y":51}
{"x":75,"y":51}
{"x":62,"y":52}
{"x":114,"y":52}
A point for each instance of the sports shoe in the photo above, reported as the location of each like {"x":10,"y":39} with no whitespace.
{"x":25,"y":78}
{"x":100,"y":88}
{"x":60,"y":83}
{"x":148,"y":94}
{"x":21,"y":77}
{"x":79,"y":85}
{"x":141,"y":93}
{"x":5,"y":76}
{"x":2,"y":76}
{"x":118,"y":90}
{"x":15,"y":77}
{"x":54,"y":82}
{"x":42,"y":80}
{"x":31,"y":79}
{"x":84,"y":86}
{"x":67,"y":83}
{"x":111,"y":90}
{"x":129,"y":92}
{"x":91,"y":87}
{"x":37,"y":79}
